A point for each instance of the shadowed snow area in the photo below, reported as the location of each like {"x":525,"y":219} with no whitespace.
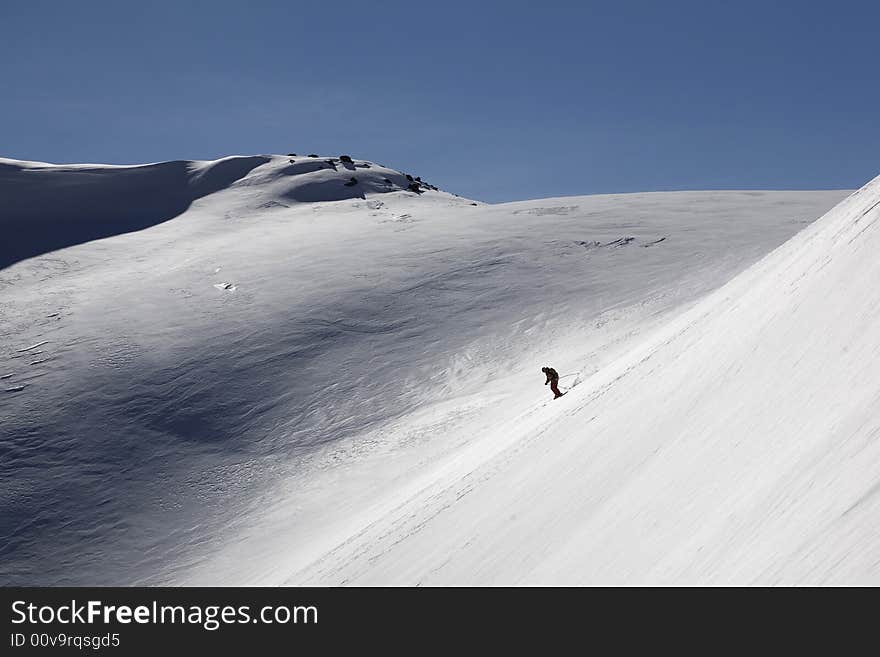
{"x":299,"y":378}
{"x":48,"y":207}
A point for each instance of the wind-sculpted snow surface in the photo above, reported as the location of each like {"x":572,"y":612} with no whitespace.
{"x":229,"y":395}
{"x":740,"y":443}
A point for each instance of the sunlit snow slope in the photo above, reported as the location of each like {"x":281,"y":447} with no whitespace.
{"x":249,"y":371}
{"x":740,"y":443}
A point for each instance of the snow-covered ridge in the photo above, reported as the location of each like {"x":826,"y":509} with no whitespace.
{"x":51,"y":206}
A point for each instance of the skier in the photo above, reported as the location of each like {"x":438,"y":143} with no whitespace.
{"x":553,"y":380}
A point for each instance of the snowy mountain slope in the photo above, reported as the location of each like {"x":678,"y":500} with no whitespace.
{"x":228,"y":394}
{"x":740,"y":443}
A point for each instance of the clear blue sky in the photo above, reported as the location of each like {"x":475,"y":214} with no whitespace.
{"x":491,"y":100}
